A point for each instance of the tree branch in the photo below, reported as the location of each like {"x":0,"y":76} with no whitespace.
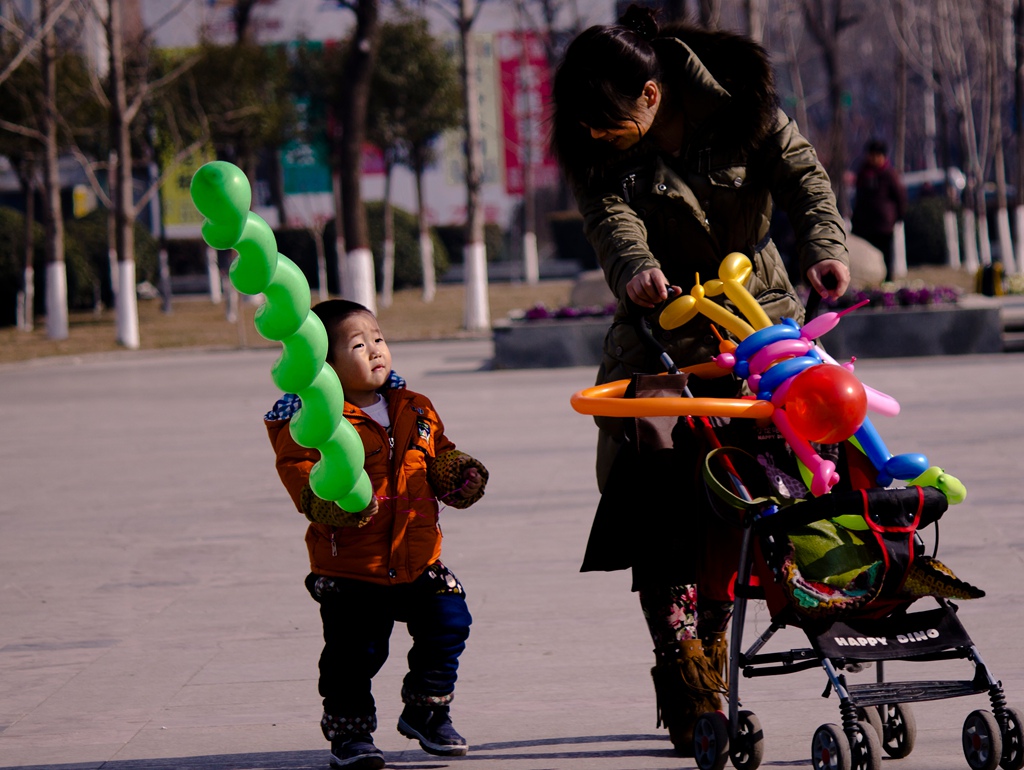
{"x":33,"y":42}
{"x":147,"y":89}
{"x":90,"y":172}
{"x":14,"y":128}
{"x":179,"y":156}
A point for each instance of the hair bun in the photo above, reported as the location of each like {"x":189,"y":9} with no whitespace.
{"x":641,"y":20}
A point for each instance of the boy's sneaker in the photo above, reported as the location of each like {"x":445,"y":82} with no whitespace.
{"x":432,"y":727}
{"x":356,"y":752}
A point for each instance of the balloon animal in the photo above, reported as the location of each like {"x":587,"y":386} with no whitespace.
{"x":222,"y":195}
{"x":806,"y":393}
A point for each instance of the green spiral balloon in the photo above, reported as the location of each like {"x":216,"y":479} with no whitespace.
{"x":222,"y":194}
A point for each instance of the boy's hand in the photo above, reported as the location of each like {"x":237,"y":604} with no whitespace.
{"x":471,"y":482}
{"x":367,"y":513}
{"x":325,"y":512}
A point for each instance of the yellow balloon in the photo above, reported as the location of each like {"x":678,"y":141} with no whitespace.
{"x":734,"y":272}
{"x":678,"y":312}
{"x":686,"y":307}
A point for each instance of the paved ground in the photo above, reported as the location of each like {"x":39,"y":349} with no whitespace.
{"x":152,"y":613}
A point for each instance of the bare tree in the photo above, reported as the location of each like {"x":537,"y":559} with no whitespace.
{"x":899,"y":150}
{"x":826,"y":21}
{"x":53,"y":215}
{"x":21,"y":142}
{"x":710,"y":13}
{"x":463,"y":14}
{"x":789,"y":21}
{"x":121,"y":116}
{"x":438,"y":108}
{"x":39,"y":125}
{"x":124,"y":109}
{"x":957,"y":52}
{"x":995,"y":23}
{"x":528,"y":145}
{"x":924,"y":47}
{"x":29,"y":42}
{"x":756,"y":13}
{"x":359,"y":284}
{"x":1018,"y":111}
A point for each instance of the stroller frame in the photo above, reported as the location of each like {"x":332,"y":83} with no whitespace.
{"x":990,"y":739}
{"x":874,"y":716}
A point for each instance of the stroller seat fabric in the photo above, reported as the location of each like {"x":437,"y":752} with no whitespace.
{"x":850,"y":552}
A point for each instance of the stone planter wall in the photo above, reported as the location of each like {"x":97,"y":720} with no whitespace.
{"x":549,"y":344}
{"x":973,"y":326}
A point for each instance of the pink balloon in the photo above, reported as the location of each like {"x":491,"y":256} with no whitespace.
{"x":775,"y":351}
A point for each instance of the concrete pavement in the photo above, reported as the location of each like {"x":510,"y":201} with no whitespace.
{"x":152,"y":613}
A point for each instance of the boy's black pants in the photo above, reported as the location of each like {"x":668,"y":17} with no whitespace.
{"x":358,"y":619}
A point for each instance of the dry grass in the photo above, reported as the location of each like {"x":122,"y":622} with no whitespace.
{"x":196,"y":322}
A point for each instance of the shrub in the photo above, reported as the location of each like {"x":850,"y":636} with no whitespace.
{"x":85,"y":257}
{"x":12,"y":260}
{"x":408,"y":271}
{"x":925,"y":232}
{"x":454,"y":238}
{"x":86,"y":243}
{"x":570,"y":242}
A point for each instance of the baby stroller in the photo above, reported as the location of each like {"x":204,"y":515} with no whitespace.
{"x":864,"y":618}
{"x":846,"y":631}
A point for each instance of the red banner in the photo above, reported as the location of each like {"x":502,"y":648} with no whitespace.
{"x":525,"y":94}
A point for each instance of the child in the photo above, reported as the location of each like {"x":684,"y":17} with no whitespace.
{"x":381,"y":565}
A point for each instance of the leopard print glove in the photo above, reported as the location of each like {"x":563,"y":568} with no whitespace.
{"x":445,"y":474}
{"x":323,"y":511}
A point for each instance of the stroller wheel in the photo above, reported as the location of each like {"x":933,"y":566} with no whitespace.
{"x":830,"y":749}
{"x":1013,"y":750}
{"x":746,"y":749}
{"x":983,"y":743}
{"x":711,"y":741}
{"x":899,"y":729}
{"x":872,"y":716}
{"x":865,"y":748}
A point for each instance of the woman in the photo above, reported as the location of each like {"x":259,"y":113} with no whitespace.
{"x":676,"y":150}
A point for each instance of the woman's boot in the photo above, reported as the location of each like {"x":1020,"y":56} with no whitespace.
{"x":687,"y":686}
{"x":716,"y":650}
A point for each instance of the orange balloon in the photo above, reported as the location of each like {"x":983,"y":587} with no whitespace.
{"x":607,"y":401}
{"x":826,"y":404}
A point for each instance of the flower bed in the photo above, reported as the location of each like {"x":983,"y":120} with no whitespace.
{"x":891,"y":296}
{"x":539,"y":312}
{"x":907,"y":320}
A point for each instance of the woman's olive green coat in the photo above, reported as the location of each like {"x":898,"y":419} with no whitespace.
{"x":684,"y":212}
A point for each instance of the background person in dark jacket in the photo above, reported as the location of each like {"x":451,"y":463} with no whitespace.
{"x":677,"y":151}
{"x":881,"y":201}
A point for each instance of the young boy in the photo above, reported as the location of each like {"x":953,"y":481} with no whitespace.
{"x":381,"y":565}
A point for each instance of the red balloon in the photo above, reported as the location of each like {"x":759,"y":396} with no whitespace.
{"x":826,"y":404}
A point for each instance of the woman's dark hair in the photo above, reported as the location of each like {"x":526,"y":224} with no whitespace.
{"x":597,"y":85}
{"x":332,"y":312}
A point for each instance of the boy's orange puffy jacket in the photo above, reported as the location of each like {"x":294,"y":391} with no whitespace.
{"x":403,"y":538}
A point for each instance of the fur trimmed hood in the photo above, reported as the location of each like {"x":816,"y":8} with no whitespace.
{"x":720,"y":75}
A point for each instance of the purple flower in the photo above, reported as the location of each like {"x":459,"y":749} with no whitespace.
{"x":540,"y":313}
{"x":537,"y":312}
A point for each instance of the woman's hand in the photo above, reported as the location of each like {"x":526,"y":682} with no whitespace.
{"x":830,"y":278}
{"x":649,"y":288}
